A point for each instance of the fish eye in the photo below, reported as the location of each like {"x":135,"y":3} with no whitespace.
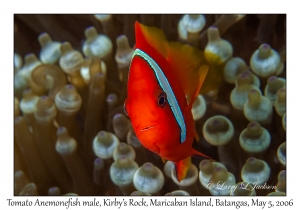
{"x":162,"y":99}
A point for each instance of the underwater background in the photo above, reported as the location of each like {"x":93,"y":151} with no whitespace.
{"x":71,"y":135}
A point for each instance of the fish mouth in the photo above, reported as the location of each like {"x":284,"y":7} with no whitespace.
{"x":148,"y":128}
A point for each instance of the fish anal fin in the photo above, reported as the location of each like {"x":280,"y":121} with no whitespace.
{"x":182,"y":167}
{"x":195,"y":153}
{"x":163,"y":160}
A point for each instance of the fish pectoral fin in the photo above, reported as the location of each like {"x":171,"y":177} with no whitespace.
{"x":182,"y":167}
{"x":195,"y":153}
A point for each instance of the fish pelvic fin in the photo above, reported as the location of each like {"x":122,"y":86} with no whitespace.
{"x":195,"y":153}
{"x":182,"y":167}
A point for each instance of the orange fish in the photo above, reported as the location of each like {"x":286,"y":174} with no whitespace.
{"x":164,"y":80}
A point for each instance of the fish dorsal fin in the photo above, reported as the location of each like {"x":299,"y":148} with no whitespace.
{"x":190,"y":67}
{"x":150,"y":36}
{"x":187,"y":63}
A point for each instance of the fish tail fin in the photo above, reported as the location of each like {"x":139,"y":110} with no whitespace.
{"x":182,"y":167}
{"x":195,"y":153}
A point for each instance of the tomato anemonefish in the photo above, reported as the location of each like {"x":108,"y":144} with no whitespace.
{"x":164,"y":80}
